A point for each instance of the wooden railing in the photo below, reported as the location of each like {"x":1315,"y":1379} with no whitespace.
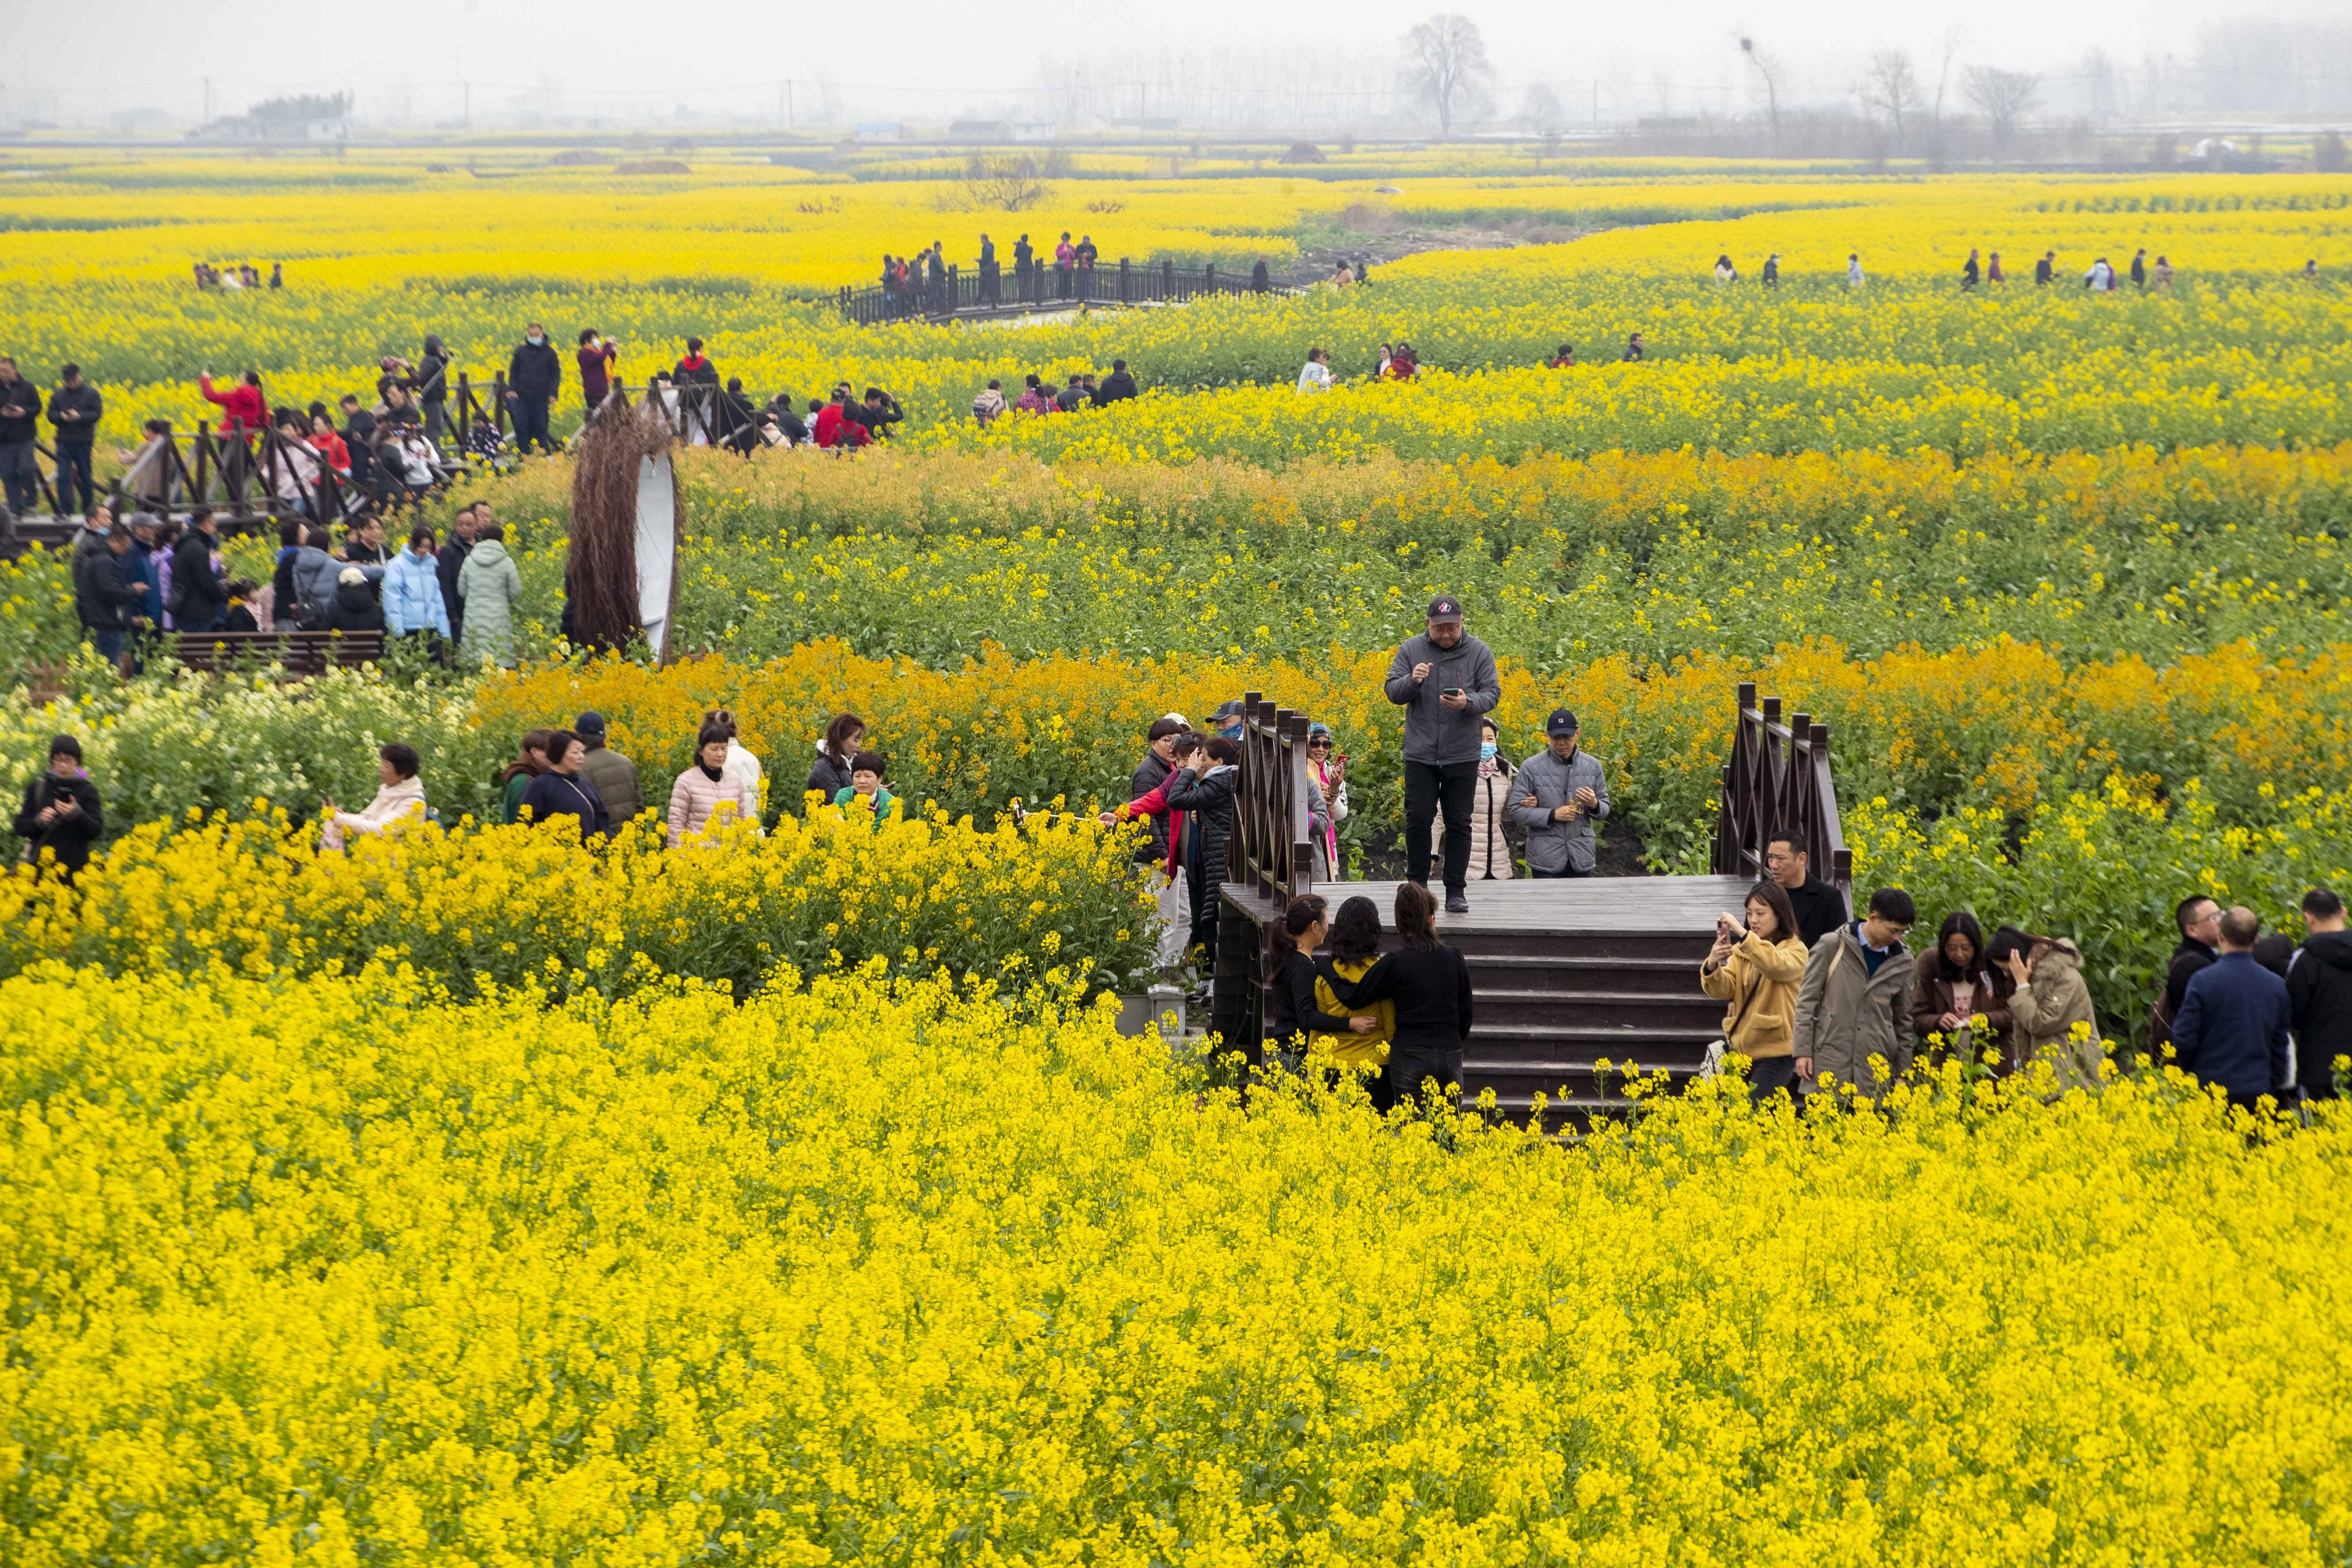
{"x":1269,"y":853}
{"x":1778,"y":781}
{"x":971,"y":290}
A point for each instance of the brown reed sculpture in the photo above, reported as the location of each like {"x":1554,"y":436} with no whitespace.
{"x":600,"y":575}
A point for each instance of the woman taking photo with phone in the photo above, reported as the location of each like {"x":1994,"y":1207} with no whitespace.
{"x":1328,"y":774}
{"x":1755,"y":968}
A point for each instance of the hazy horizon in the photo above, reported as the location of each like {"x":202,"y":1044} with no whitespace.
{"x":601,"y":59}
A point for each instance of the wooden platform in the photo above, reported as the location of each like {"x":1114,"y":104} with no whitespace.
{"x":1566,"y":975}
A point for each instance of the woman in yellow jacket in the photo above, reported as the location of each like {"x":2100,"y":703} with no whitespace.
{"x":1355,"y":941}
{"x":1756,"y":968}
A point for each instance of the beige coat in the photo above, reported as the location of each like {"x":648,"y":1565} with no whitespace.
{"x":394,"y":804}
{"x":1490,"y":817}
{"x":1846,"y":1014}
{"x":696,"y":797}
{"x":1760,"y":980}
{"x":2043,"y":1014}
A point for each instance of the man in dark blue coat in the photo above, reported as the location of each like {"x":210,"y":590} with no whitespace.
{"x":2232,"y":1028}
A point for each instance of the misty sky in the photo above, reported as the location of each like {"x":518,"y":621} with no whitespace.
{"x":96,"y":54}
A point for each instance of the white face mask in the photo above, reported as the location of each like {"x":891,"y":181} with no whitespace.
{"x":534,"y":340}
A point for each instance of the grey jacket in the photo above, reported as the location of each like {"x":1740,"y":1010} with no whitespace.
{"x":1845,"y":1015}
{"x":1432,"y":731}
{"x":1554,"y":844}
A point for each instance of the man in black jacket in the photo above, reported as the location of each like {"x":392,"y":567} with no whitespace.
{"x":2043,"y":269}
{"x":1159,"y":761}
{"x":452,"y":556}
{"x":534,"y":375}
{"x":991,"y":292}
{"x":20,"y":405}
{"x":1204,"y":792}
{"x":1024,"y":259}
{"x":432,"y":392}
{"x":359,"y":436}
{"x":880,"y":412}
{"x":1116,"y":386}
{"x":199,"y":602}
{"x":2319,"y":992}
{"x":104,"y":600}
{"x":74,"y":408}
{"x":2199,"y":920}
{"x":1821,"y":908}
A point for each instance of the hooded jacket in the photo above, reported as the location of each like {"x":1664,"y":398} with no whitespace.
{"x":1116,"y":387}
{"x":489,"y":587}
{"x":2319,"y":992}
{"x":535,"y":372}
{"x":1846,"y":1014}
{"x":1433,"y":732}
{"x":354,"y":609}
{"x":315,"y":572}
{"x":2043,"y":1014}
{"x":2232,"y":1028}
{"x":412,"y":595}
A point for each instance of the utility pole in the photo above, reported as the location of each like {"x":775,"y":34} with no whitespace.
{"x":208,"y":100}
{"x":466,"y":103}
{"x":1596,"y":103}
{"x":788,"y":105}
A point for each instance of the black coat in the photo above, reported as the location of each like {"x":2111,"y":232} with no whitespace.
{"x":1291,"y":998}
{"x":356,"y":609}
{"x":830,"y":773}
{"x":202,"y":599}
{"x":1430,"y":988}
{"x":67,"y":839}
{"x":82,"y":400}
{"x":2319,"y":989}
{"x":1118,"y":386}
{"x":433,"y":377}
{"x":562,"y":795}
{"x":20,"y":406}
{"x":1149,"y":775}
{"x":446,"y":566}
{"x":2232,"y":1026}
{"x":536,"y":372}
{"x":1208,"y":797}
{"x":1820,"y":909}
{"x":2187,"y":959}
{"x":103,"y":599}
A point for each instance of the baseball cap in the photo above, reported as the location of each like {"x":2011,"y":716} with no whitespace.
{"x":1318,"y":729}
{"x":1229,"y":711}
{"x":1178,"y":718}
{"x":1445,"y":607}
{"x":589,"y":723}
{"x":1562,"y":722}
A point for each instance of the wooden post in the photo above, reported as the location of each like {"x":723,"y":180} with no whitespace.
{"x":204,"y":455}
{"x":955,"y":287}
{"x":498,"y":397}
{"x":1167,"y":279}
{"x":1124,"y":295}
{"x":1210,"y":274}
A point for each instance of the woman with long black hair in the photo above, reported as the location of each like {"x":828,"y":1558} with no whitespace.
{"x":1294,"y":1013}
{"x":844,"y":739}
{"x":1954,"y":984}
{"x":1430,"y":984}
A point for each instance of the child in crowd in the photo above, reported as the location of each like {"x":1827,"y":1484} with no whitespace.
{"x":243,"y":616}
{"x":866,"y":792}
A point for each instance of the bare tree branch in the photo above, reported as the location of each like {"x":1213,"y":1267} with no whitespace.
{"x":1447,"y":68}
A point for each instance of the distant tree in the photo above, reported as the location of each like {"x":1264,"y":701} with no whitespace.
{"x":2003,"y":98}
{"x":1768,"y":69}
{"x":302,"y":108}
{"x":1544,"y":113}
{"x":1892,"y":88}
{"x":1447,"y":68}
{"x":1002,"y":182}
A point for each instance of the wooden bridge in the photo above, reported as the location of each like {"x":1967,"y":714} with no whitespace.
{"x":986,"y":291}
{"x":1568,"y":973}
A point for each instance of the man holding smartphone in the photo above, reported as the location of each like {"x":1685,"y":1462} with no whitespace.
{"x":1444,"y":680}
{"x":1561,"y":792}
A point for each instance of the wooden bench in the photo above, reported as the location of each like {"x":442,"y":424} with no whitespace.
{"x":298,"y":653}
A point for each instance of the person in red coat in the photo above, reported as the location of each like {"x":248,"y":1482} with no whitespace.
{"x":834,"y":429}
{"x":240,"y":404}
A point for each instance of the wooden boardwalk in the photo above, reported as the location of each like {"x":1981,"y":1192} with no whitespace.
{"x":1566,"y":975}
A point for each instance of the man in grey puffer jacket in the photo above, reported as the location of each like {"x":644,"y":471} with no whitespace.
{"x":1559,"y":794}
{"x":1444,"y":679}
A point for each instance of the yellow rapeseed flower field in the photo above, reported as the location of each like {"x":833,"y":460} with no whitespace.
{"x":327,"y":1271}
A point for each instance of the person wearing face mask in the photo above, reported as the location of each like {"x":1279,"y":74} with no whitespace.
{"x":1490,"y":812}
{"x":534,"y":375}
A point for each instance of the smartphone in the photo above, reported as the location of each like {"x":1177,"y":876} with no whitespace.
{"x":1454,"y":691}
